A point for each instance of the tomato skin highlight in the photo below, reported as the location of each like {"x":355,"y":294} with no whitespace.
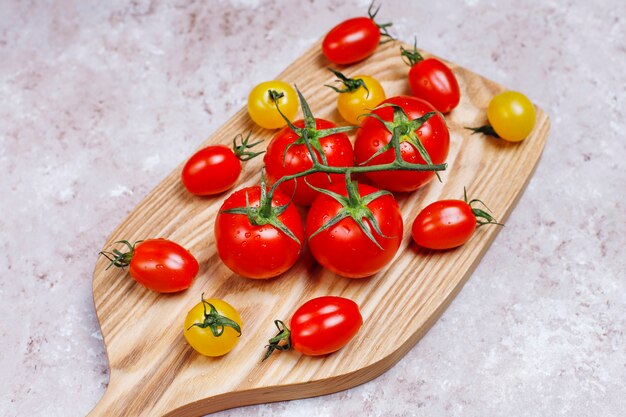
{"x":324,"y":325}
{"x":434,"y":81}
{"x":211,"y":170}
{"x":355,"y":103}
{"x":344,"y":248}
{"x":351,"y":41}
{"x":163,"y":266}
{"x":262,"y":109}
{"x":512,"y":115}
{"x":444,"y":224}
{"x":257,"y":252}
{"x":202,"y":340}
{"x":373,"y":135}
{"x":337,"y":148}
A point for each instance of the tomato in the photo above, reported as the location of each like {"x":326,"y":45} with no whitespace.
{"x":373,"y":136}
{"x":215,"y":169}
{"x":318,"y":327}
{"x":351,"y":41}
{"x":287,"y":154}
{"x":358,"y":95}
{"x":211,"y":170}
{"x":446,"y":224}
{"x":212,"y":327}
{"x":512,"y":116}
{"x":262,"y":106}
{"x":345,"y":247}
{"x":261,"y":250}
{"x":158,"y":264}
{"x":433,"y":81}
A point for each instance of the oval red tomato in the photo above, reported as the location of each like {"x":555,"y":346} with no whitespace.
{"x":158,"y":264}
{"x":344,"y":248}
{"x":434,"y":81}
{"x":351,"y":40}
{"x":318,"y":327}
{"x":257,"y":251}
{"x":373,"y":135}
{"x":211,"y":170}
{"x":278,"y":163}
{"x":444,"y":224}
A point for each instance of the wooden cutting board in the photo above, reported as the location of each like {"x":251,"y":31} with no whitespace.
{"x":154,"y":372}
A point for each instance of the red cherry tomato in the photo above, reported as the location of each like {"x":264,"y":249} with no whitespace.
{"x":344,"y":248}
{"x":158,"y":264}
{"x":351,"y":41}
{"x":373,"y":135}
{"x":318,"y":327}
{"x":336,"y":147}
{"x":433,"y":81}
{"x":446,"y":224}
{"x":257,"y":251}
{"x":211,"y":170}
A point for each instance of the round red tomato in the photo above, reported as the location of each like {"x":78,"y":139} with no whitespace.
{"x":258,"y":250}
{"x":344,"y":248}
{"x":158,"y":264}
{"x":278,"y":163}
{"x":433,"y":81}
{"x":444,"y":224}
{"x":374,"y":135}
{"x":318,"y":327}
{"x":211,"y":170}
{"x":351,"y":40}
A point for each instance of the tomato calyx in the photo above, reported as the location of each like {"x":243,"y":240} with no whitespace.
{"x":242,"y":150}
{"x":265,"y":213}
{"x":402,"y":129}
{"x":282,"y":340}
{"x":121,"y":259}
{"x":355,"y":207}
{"x":482,"y":216}
{"x":485,"y":130}
{"x":382,"y":27}
{"x":411,"y":57}
{"x":349,"y":84}
{"x":215,"y":321}
{"x":313,"y":135}
{"x":275,"y":95}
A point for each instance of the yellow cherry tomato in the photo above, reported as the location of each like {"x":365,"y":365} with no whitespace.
{"x":262,"y":108}
{"x":357,"y":100}
{"x":212,"y":327}
{"x":512,"y":115}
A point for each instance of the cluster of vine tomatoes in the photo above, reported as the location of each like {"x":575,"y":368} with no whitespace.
{"x":352,"y":228}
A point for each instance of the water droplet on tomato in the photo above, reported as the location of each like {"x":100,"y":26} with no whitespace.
{"x":376,"y":143}
{"x":244,"y":244}
{"x":159,"y":266}
{"x":247,"y":234}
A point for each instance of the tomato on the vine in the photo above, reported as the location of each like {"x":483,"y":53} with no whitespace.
{"x":354,"y":231}
{"x":287,"y":154}
{"x":354,"y":39}
{"x":158,"y":264}
{"x":318,"y":327}
{"x":432,"y":80}
{"x":212,"y":327}
{"x":446,"y":224}
{"x":255,"y":244}
{"x":424,"y":139}
{"x":262,"y":104}
{"x":357,"y":96}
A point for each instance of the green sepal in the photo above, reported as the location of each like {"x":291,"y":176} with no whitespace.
{"x":241,"y":151}
{"x":411,"y":57}
{"x":215,"y":321}
{"x":383,"y":27}
{"x":282,"y":341}
{"x":485,"y":130}
{"x":349,"y":84}
{"x":118,"y":258}
{"x":482,"y":217}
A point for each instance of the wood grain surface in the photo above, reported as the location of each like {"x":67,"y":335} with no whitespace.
{"x":154,"y":372}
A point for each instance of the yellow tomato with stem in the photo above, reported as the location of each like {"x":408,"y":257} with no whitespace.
{"x":212,"y":327}
{"x":262,"y":104}
{"x":512,"y":115}
{"x":358,"y":95}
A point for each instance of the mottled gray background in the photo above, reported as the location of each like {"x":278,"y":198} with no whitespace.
{"x":100,"y":100}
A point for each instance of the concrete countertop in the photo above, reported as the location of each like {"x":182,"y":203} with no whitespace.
{"x":93,"y":92}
